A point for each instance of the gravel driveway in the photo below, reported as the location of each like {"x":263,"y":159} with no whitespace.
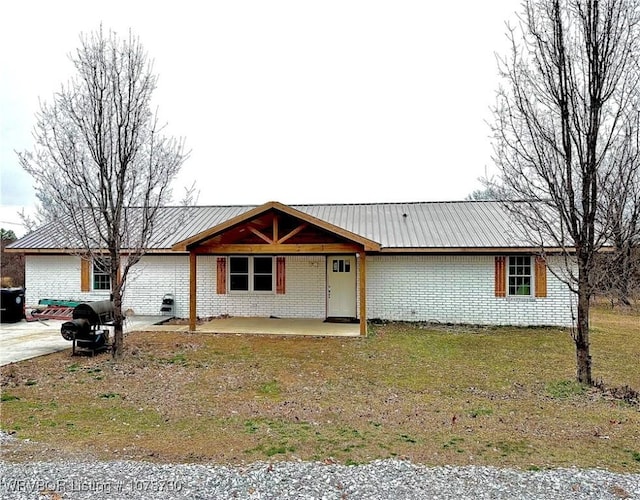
{"x":385,"y":479}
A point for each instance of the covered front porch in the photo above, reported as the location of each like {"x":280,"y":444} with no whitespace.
{"x":268,"y":326}
{"x":255,"y":272}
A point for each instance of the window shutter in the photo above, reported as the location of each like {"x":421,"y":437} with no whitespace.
{"x":221,"y":280}
{"x":500,"y":277}
{"x":85,"y":275}
{"x":541,"y":277}
{"x":280,"y":275}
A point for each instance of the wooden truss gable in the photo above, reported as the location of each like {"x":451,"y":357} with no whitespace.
{"x":275,"y":229}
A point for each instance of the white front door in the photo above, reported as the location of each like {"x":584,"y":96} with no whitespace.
{"x":341,"y":286}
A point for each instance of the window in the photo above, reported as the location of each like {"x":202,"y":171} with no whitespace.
{"x":520,"y":276}
{"x":341,"y":266}
{"x":251,"y":274}
{"x":262,"y":274}
{"x":102,"y":273}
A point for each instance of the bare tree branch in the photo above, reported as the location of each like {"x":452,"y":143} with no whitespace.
{"x":570,"y":80}
{"x":101,"y":163}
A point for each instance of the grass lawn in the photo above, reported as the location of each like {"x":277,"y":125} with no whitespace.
{"x":493,"y":396}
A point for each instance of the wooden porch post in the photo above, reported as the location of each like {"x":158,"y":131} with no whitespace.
{"x":363,"y":293}
{"x":192,"y":290}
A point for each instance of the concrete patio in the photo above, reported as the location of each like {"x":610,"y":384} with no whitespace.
{"x":25,"y":340}
{"x":268,"y":326}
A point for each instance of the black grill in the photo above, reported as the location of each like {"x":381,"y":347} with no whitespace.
{"x":88,"y":329}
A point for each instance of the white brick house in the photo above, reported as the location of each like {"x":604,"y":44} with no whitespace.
{"x":458,"y":262}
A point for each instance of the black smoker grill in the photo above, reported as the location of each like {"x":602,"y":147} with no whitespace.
{"x":88,"y":329}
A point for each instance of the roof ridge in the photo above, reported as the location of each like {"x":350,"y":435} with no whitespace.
{"x":332,"y":204}
{"x":433,"y":202}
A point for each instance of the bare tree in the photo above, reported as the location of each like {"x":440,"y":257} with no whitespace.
{"x":570,"y":84}
{"x":622,"y":209}
{"x":487,"y":194}
{"x":101,"y":163}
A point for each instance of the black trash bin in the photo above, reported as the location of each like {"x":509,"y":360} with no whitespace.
{"x":11,"y":305}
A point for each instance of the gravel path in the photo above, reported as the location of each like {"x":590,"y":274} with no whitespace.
{"x":383,"y":479}
{"x":379,"y":480}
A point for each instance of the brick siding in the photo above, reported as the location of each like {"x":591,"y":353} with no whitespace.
{"x":448,"y":289}
{"x":457,"y":289}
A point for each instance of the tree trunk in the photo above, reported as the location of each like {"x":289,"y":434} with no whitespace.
{"x":117,"y":351}
{"x":581,"y":338}
{"x":118,"y":332}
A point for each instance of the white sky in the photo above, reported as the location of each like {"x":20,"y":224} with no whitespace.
{"x":293,"y":101}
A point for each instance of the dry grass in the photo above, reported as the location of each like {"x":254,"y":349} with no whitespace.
{"x":498,"y":396}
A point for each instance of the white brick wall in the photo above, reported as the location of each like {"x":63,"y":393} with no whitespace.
{"x":154,"y":276}
{"x":55,"y":277}
{"x":452,"y":289}
{"x":456,"y":289}
{"x":304,"y":297}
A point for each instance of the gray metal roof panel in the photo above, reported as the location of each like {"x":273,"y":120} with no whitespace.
{"x":428,"y":225}
{"x":425,"y":225}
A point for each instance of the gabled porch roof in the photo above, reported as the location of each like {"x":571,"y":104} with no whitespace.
{"x":275,"y":228}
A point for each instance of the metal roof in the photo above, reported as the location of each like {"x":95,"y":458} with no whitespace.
{"x":411,"y":226}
